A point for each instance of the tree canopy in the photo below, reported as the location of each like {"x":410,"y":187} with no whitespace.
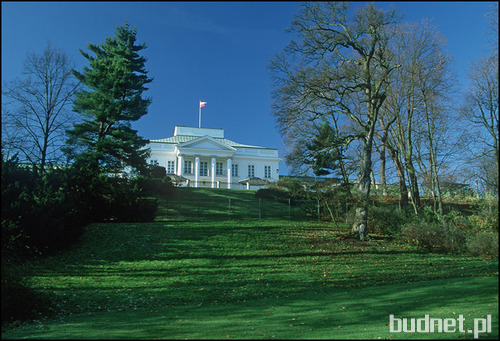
{"x":37,"y":109}
{"x":339,"y":63}
{"x":111,"y":99}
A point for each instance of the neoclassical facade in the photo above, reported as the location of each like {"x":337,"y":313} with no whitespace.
{"x":204,"y":158}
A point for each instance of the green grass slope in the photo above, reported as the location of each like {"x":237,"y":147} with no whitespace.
{"x":202,"y":204}
{"x":251,"y":278}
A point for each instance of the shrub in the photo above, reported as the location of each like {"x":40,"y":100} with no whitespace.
{"x":386,"y":220}
{"x":433,"y":237}
{"x":484,"y":221}
{"x":40,"y":215}
{"x":132,"y":209}
{"x":122,"y":200}
{"x":272,"y":193}
{"x":154,"y":186}
{"x":459,"y":220}
{"x":294,"y":188}
{"x":483,"y":244}
{"x":335,"y":198}
{"x":53,"y":223}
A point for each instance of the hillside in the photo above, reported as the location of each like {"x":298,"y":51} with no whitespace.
{"x":190,"y":204}
{"x":247,"y":278}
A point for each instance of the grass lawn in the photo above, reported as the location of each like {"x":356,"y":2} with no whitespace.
{"x":256,"y":279}
{"x":200,"y":204}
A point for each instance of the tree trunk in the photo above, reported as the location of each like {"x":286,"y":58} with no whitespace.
{"x":345,"y":176}
{"x":412,"y":174}
{"x":415,"y":194}
{"x":433,"y":161}
{"x":359,"y":227}
{"x":403,"y":189}
{"x":385,"y":146}
{"x":383,"y":181}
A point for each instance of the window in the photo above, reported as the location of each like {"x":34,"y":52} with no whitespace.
{"x":251,"y":171}
{"x":203,"y":168}
{"x":188,"y":167}
{"x":267,"y":171}
{"x":153,"y":162}
{"x":218,"y":168}
{"x":234,"y":169}
{"x":170,"y":167}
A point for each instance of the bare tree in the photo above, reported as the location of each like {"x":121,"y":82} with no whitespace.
{"x":341,"y":62}
{"x":407,"y":115}
{"x":35,"y":116}
{"x":385,"y":122}
{"x":391,"y":132}
{"x":492,"y":16}
{"x":481,"y":109}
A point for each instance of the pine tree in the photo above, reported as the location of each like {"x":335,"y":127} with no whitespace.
{"x":325,"y":151}
{"x":110,"y":100}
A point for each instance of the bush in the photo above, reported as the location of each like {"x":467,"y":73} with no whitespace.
{"x":154,"y":186}
{"x":272,"y":193}
{"x":294,"y":188}
{"x":485,"y":219}
{"x":53,"y":223}
{"x":385,"y":220}
{"x":484,"y":244}
{"x":131,"y":209}
{"x":40,"y":215}
{"x":433,"y":237}
{"x":335,"y":198}
{"x":122,"y":200}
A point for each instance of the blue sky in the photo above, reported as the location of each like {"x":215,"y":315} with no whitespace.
{"x":211,"y":51}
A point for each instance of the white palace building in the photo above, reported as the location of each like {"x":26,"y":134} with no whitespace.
{"x":202,"y":157}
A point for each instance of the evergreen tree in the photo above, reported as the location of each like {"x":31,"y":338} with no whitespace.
{"x":326,"y":151}
{"x":110,"y":100}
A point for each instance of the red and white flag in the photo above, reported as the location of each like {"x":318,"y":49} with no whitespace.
{"x":202,"y":104}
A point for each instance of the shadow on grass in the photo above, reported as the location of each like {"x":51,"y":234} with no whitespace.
{"x":143,"y":275}
{"x":335,"y":314}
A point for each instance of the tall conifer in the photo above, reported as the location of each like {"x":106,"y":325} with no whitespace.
{"x":110,"y":100}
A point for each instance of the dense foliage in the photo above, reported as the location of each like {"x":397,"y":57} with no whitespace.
{"x":39,"y":214}
{"x":326,"y":151}
{"x":468,"y":225}
{"x":45,"y":212}
{"x":44,"y":215}
{"x":110,"y":100}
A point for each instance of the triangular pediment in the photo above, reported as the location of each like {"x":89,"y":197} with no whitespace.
{"x":206,"y":143}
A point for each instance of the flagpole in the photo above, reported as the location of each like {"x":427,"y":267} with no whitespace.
{"x":199,"y":115}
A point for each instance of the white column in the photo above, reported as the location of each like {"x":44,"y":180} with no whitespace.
{"x":180,"y":164}
{"x":196,"y":171}
{"x":213,"y":172}
{"x":229,"y":163}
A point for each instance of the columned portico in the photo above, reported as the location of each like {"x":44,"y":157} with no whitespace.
{"x":213,"y":172}
{"x":196,"y":171}
{"x":229,"y":166}
{"x":205,"y":157}
{"x":180,"y":164}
